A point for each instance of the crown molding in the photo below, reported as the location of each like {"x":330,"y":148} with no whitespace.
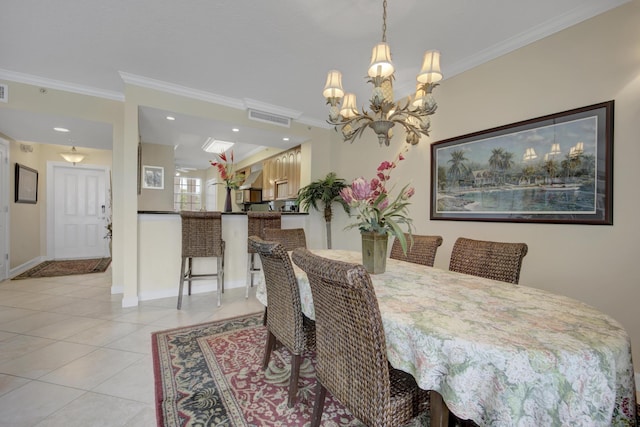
{"x":136,"y":80}
{"x":60,"y":85}
{"x":554,"y":25}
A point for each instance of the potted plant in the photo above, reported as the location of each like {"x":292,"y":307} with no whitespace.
{"x":325,"y":192}
{"x":379,"y":216}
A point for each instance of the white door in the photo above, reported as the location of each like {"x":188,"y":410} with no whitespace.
{"x":4,"y":209}
{"x":80,"y":210}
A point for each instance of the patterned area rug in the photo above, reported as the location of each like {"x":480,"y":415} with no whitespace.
{"x":211,"y":375}
{"x":66,"y":268}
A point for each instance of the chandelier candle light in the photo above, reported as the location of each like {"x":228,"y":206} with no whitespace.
{"x":413,"y":116}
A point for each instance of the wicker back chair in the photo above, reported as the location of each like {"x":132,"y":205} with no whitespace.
{"x":493,"y":260}
{"x":285,"y":321}
{"x":290,"y":238}
{"x":351,"y":347}
{"x":201,"y":237}
{"x":423,"y":251}
{"x":256,"y":223}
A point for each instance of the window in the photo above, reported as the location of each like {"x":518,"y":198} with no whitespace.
{"x":187,"y":194}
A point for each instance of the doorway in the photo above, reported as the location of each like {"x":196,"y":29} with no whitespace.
{"x":77,"y":211}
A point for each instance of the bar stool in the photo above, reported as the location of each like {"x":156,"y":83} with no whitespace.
{"x":256,"y":223}
{"x":201,"y":237}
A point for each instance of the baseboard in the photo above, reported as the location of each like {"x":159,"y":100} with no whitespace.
{"x":26,"y":266}
{"x":130,"y":302}
{"x":195,"y":289}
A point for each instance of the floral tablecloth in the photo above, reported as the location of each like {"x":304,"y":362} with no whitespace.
{"x":500,"y":354}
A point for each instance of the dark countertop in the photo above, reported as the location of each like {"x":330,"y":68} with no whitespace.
{"x":223,"y":213}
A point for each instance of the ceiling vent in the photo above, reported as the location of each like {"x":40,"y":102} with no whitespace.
{"x":274,"y":119}
{"x":4,"y":93}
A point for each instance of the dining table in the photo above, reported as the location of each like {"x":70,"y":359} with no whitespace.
{"x":496,"y":353}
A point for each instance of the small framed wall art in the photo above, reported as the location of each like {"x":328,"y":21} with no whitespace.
{"x":26,"y":190}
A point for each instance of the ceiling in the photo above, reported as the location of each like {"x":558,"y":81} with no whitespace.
{"x":238,"y":52}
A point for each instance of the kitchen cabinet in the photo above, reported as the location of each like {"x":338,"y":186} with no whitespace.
{"x":267,"y":180}
{"x":281,"y":175}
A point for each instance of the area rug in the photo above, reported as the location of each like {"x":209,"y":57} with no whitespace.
{"x":211,"y":375}
{"x":66,"y":268}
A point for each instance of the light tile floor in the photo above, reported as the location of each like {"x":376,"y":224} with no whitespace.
{"x":70,"y":355}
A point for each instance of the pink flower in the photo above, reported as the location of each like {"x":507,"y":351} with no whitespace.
{"x":347,"y":195}
{"x":361,"y":189}
{"x":400,"y":157}
{"x":409,"y":192}
{"x":384,"y":166}
{"x":374,"y":183}
{"x":383,"y":204}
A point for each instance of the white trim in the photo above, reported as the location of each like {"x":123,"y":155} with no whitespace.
{"x":171,"y":293}
{"x":195,"y":289}
{"x":26,"y":266}
{"x":60,"y":85}
{"x":129,"y":302}
{"x":557,"y":23}
{"x":175,"y":89}
{"x":4,"y":205}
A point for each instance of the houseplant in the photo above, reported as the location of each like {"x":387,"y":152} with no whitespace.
{"x":325,"y":192}
{"x":378,"y":215}
{"x":230,"y":178}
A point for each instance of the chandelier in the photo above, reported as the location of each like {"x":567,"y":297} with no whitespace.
{"x":384,"y":113}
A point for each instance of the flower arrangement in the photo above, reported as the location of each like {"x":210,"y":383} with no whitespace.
{"x":376,"y":211}
{"x":226,"y":171}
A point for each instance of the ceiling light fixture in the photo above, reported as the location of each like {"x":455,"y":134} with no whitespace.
{"x":73,"y":156}
{"x":385,"y":113}
{"x":170,"y":118}
{"x":57,"y":129}
{"x":216,"y":146}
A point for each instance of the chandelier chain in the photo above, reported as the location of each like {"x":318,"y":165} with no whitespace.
{"x":384,"y":21}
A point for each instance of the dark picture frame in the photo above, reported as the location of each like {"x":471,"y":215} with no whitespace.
{"x":552,"y":169}
{"x":26,"y":180}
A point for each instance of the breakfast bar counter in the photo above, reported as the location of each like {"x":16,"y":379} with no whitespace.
{"x":160,"y":240}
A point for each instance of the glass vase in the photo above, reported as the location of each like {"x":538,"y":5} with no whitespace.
{"x":374,"y":252}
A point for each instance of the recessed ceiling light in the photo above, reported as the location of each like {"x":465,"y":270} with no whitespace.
{"x":235,"y":130}
{"x":285,"y":139}
{"x":170,"y":118}
{"x":216,"y":146}
{"x":61,"y":129}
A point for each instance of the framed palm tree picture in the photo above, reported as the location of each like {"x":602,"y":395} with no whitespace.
{"x":554,"y":169}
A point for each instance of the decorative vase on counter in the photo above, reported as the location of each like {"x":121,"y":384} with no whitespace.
{"x":227,"y":202}
{"x":374,"y":251}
